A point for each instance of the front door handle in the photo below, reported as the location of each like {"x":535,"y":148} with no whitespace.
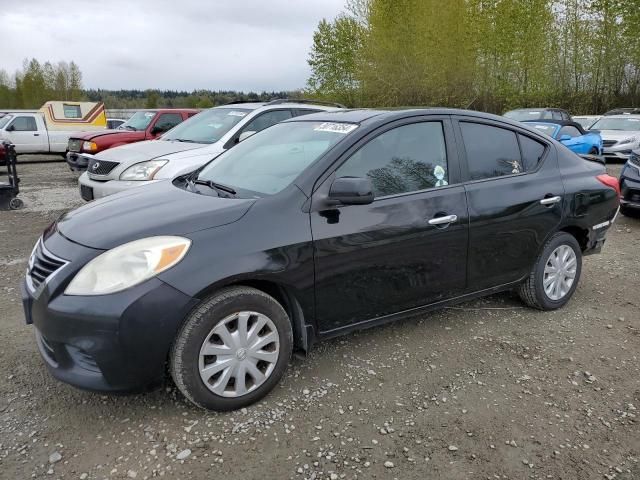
{"x":443,"y":220}
{"x":550,"y":200}
{"x":36,"y":134}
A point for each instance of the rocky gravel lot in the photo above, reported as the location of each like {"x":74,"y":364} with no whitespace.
{"x":486,"y":390}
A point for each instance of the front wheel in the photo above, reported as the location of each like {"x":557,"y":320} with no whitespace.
{"x":555,"y":275}
{"x":232,"y":350}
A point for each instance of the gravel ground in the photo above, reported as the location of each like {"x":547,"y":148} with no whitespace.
{"x":486,"y":390}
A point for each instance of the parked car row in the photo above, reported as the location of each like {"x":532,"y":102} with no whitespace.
{"x":184,"y":148}
{"x":277,"y":227}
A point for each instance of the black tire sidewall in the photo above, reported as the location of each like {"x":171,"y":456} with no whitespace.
{"x":557,"y":240}
{"x":200,"y":323}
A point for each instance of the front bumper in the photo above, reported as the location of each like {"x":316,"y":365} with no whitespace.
{"x":618,"y":152}
{"x":117,"y":342}
{"x":77,"y":161}
{"x":630,"y":186}
{"x":92,"y":189}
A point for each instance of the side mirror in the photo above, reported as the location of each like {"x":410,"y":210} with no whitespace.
{"x":565,"y":138}
{"x":10,"y":128}
{"x":351,"y":191}
{"x":245,"y":135}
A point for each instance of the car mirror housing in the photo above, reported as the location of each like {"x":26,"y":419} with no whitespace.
{"x":351,"y":191}
{"x":10,"y":128}
{"x":157,"y":129}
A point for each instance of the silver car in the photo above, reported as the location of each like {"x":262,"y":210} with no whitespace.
{"x":187,"y":146}
{"x":620,"y":135}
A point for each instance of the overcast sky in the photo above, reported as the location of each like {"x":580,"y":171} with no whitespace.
{"x":168,"y":44}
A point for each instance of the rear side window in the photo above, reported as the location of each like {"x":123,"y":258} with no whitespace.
{"x":532,"y":152}
{"x":401,"y":160}
{"x":24,"y":124}
{"x":491,"y":151}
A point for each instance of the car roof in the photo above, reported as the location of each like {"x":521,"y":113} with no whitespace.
{"x":562,"y":123}
{"x":622,"y":116}
{"x":531,"y":109}
{"x":361,"y":116}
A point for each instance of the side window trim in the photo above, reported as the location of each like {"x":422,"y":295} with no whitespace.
{"x":453,"y":161}
{"x":463,"y":160}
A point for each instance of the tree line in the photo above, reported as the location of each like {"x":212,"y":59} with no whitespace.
{"x":490,"y":55}
{"x":36,"y":83}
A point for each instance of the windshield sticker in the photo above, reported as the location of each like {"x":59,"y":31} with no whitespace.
{"x":149,"y":114}
{"x":237,"y":114}
{"x":343,"y":128}
{"x":533,"y":113}
{"x":215,"y":125}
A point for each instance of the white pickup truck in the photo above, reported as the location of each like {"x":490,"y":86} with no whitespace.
{"x":48,"y":130}
{"x":29,"y":133}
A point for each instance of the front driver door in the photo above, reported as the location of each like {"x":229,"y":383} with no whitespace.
{"x":394,"y":254}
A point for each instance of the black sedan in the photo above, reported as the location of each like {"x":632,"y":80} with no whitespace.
{"x":309,"y":229}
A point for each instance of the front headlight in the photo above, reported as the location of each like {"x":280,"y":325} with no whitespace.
{"x":128,"y":265}
{"x":143,"y":170}
{"x":89,"y":146}
{"x":628,"y":140}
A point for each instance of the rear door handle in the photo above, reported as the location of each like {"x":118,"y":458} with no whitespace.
{"x":550,"y":200}
{"x":443,"y":220}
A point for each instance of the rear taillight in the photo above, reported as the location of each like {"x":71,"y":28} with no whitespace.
{"x":610,"y":181}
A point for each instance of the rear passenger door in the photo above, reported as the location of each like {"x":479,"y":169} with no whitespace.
{"x":514,"y":193}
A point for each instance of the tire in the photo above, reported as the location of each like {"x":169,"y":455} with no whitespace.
{"x":629,"y":212}
{"x":16,"y":203}
{"x":532,"y":290}
{"x":221,"y":312}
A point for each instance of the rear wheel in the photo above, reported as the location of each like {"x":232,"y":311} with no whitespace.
{"x":232,"y":350}
{"x":555,"y":275}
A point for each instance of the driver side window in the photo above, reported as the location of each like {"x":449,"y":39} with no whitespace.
{"x":266,"y":120}
{"x":404,"y":159}
{"x":24,"y":124}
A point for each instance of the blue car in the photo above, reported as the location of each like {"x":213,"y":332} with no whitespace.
{"x":572,"y":135}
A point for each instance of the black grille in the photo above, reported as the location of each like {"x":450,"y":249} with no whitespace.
{"x":42,"y":265}
{"x":100,"y":167}
{"x":74,"y":145}
{"x":609,"y":143}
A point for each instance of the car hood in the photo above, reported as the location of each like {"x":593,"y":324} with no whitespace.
{"x":618,"y":135}
{"x":147,"y":150}
{"x":115,"y":135}
{"x":160,"y":208}
{"x":185,"y":162}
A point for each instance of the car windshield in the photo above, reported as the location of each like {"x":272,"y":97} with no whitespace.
{"x":270,"y":160}
{"x":139,"y":121}
{"x":208,"y":126}
{"x":4,"y":120}
{"x":548,"y":128}
{"x":624,"y":124}
{"x":522,"y":115}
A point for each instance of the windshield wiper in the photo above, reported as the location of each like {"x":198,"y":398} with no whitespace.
{"x":129,"y":127}
{"x":215,"y":186}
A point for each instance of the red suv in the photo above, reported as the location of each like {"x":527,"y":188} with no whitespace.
{"x":143,"y":125}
